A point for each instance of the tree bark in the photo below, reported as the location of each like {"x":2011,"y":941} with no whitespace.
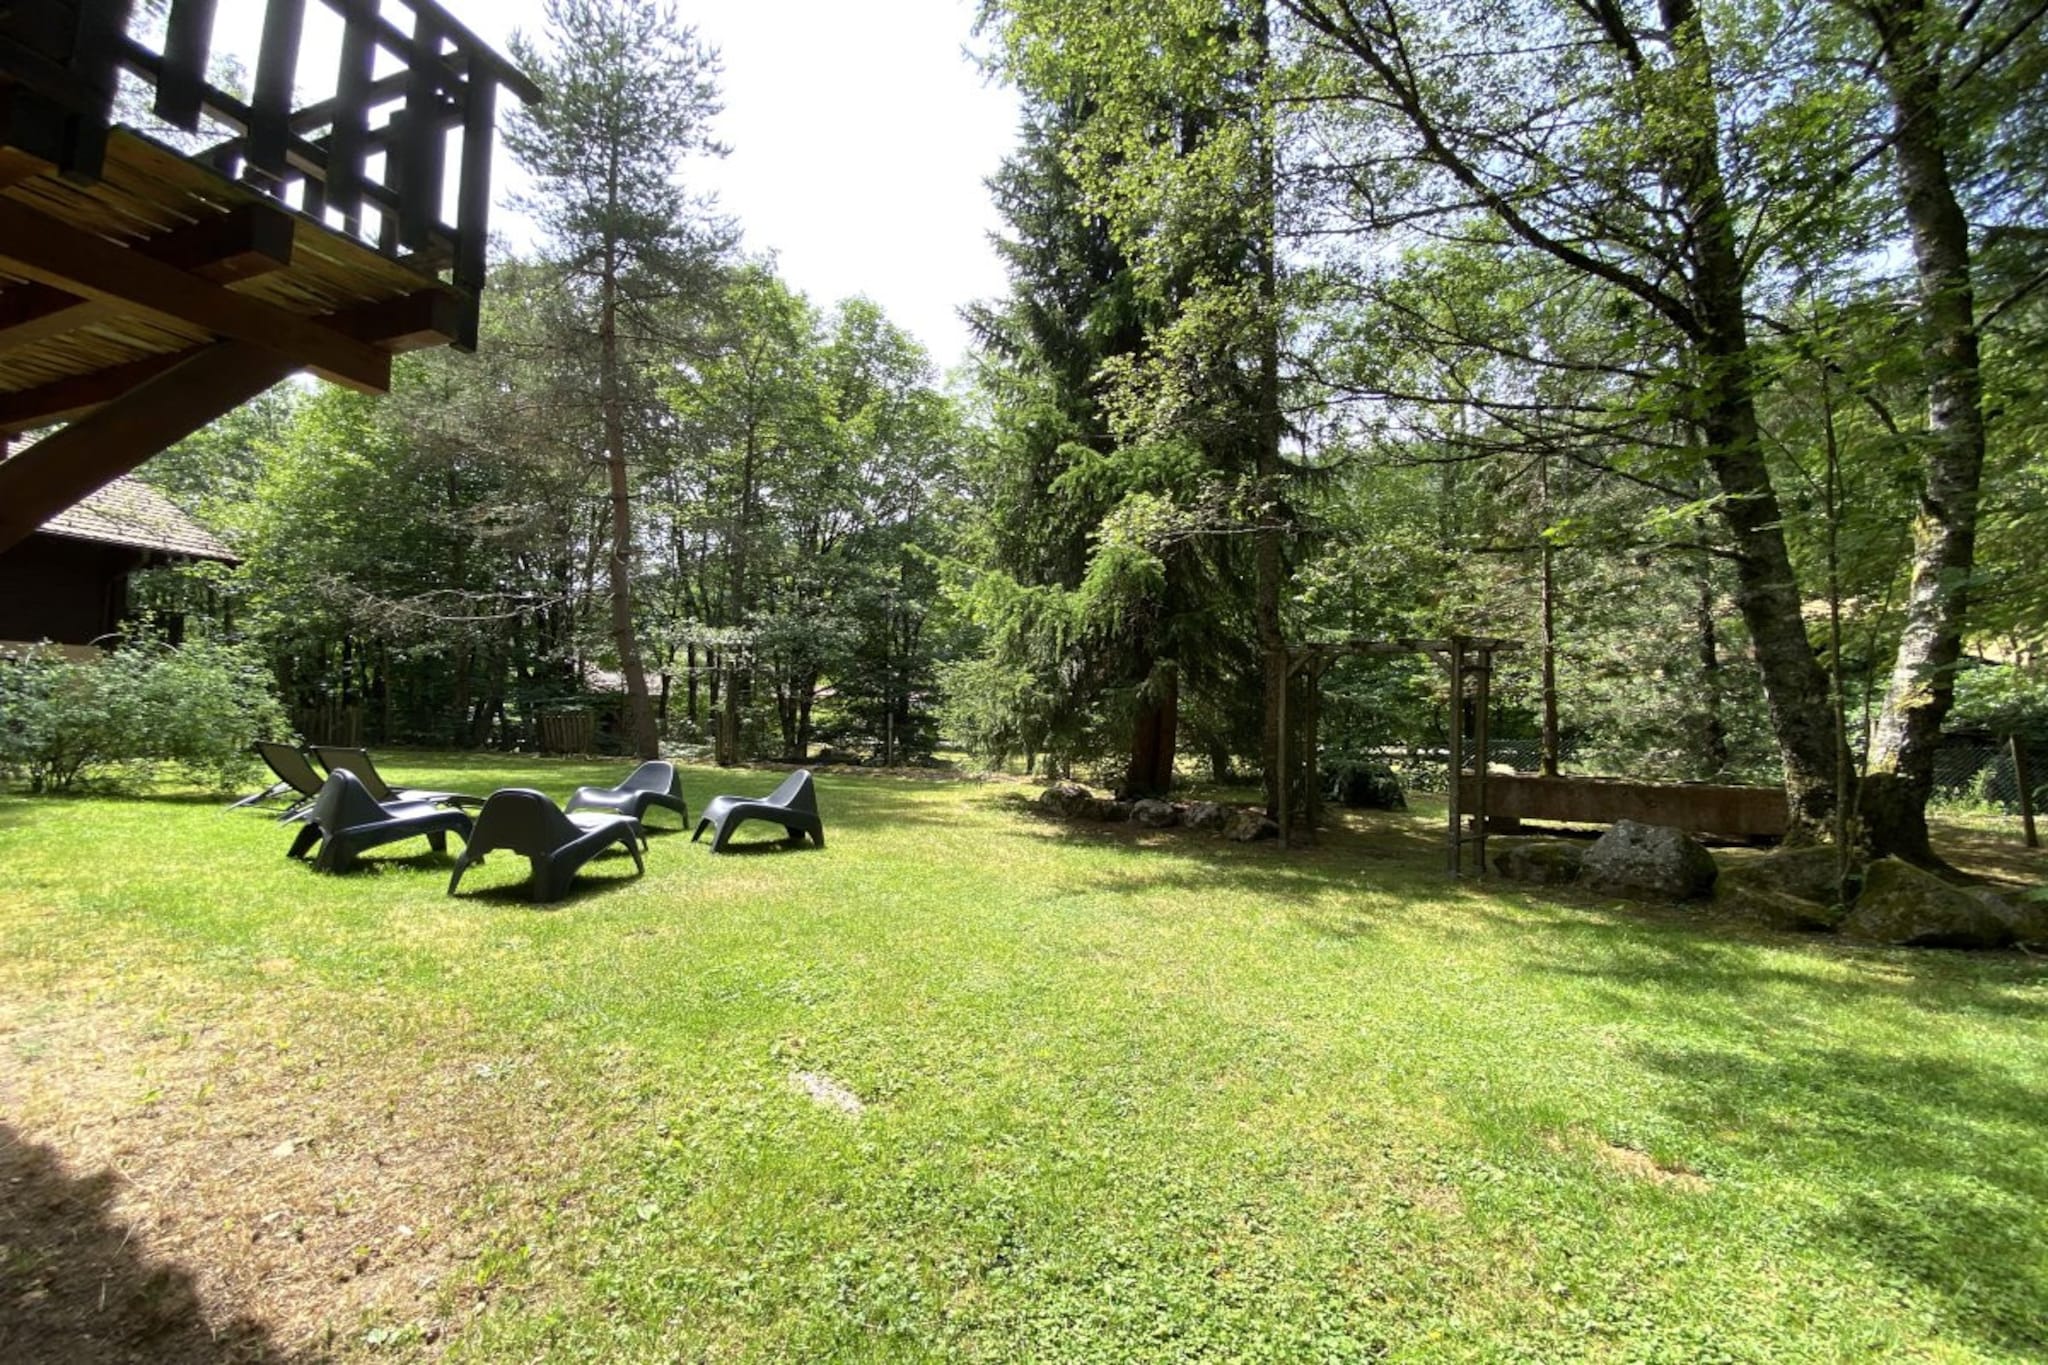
{"x":1766,"y":589}
{"x":643,"y":733}
{"x":1154,"y":736}
{"x":1900,"y":776}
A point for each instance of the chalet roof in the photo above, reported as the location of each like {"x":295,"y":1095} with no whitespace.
{"x":130,"y":512}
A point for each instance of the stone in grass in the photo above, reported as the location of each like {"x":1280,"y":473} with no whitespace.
{"x":1367,"y":785}
{"x":1546,"y":862}
{"x":1154,"y":814}
{"x":2025,"y":913}
{"x":1250,"y":826}
{"x":1649,"y":861}
{"x":829,"y":1093}
{"x":1209,"y":816}
{"x":1795,"y":889}
{"x":1908,"y":908}
{"x":1069,"y":799}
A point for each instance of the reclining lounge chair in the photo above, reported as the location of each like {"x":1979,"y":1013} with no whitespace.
{"x":793,"y":805}
{"x":359,"y":763}
{"x":296,"y":778}
{"x":653,"y":783}
{"x":523,"y":821}
{"x":345,"y":820}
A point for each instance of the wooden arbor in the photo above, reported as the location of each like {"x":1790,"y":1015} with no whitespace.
{"x":144,"y":292}
{"x":1469,"y":662}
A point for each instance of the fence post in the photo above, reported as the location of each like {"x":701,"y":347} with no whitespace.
{"x":2024,"y":780}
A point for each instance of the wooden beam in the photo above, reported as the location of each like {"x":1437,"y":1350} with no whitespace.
{"x":53,"y":253}
{"x":58,"y":470}
{"x":249,"y":241}
{"x":431,"y":317}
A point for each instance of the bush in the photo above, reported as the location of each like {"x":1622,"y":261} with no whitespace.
{"x":123,"y":718}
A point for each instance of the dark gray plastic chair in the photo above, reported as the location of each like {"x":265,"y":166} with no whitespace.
{"x":653,"y":783}
{"x":345,"y":820}
{"x":523,"y":821}
{"x":359,"y":763}
{"x":793,"y":805}
{"x":296,"y":778}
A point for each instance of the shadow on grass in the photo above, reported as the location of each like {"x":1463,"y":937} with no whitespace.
{"x":1938,"y":1158}
{"x":75,"y":1289}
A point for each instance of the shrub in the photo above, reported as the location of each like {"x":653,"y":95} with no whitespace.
{"x":122,"y":718}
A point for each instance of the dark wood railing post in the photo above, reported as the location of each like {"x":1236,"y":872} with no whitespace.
{"x":181,"y":85}
{"x":270,"y":110}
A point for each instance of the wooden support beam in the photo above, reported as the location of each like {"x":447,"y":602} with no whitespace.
{"x":58,"y":470}
{"x":431,"y":317}
{"x":249,"y":241}
{"x":53,"y":253}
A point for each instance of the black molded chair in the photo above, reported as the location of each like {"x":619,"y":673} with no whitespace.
{"x":359,"y":763}
{"x":296,"y":778}
{"x":345,"y":820}
{"x":793,"y":805}
{"x":653,"y":783}
{"x":523,"y":821}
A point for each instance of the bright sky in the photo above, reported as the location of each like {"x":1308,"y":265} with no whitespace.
{"x":861,"y":136}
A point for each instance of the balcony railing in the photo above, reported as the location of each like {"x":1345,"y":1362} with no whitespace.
{"x":414,"y":97}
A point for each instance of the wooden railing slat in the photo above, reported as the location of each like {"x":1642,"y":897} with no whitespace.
{"x":181,"y":81}
{"x":270,"y":110}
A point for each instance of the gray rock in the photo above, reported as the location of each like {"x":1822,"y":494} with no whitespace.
{"x":1249,"y":826}
{"x":1794,"y":889}
{"x":1650,"y":861}
{"x":1367,"y":785}
{"x":1111,"y":812}
{"x":2025,"y":914}
{"x":1154,"y":814}
{"x":1547,"y":862}
{"x":1206,"y":815}
{"x":1903,"y":906}
{"x":1069,"y":799}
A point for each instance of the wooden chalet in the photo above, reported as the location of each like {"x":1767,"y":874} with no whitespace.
{"x":146,"y":290}
{"x":67,"y":584}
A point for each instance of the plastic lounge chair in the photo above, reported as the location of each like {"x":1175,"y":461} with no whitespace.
{"x":345,"y":820}
{"x":653,"y":783}
{"x":359,"y":763}
{"x":523,"y":821}
{"x":793,"y":805}
{"x":296,"y":778}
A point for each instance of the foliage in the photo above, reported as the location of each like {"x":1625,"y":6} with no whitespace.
{"x":193,"y":709}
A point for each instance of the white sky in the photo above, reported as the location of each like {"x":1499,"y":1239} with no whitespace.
{"x":861,"y":136}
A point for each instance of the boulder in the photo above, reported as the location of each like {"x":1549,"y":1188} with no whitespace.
{"x":1154,"y":814}
{"x":1906,"y":907}
{"x":1650,"y":861}
{"x":1249,"y":826}
{"x":1069,"y":799}
{"x":1794,"y":889}
{"x":830,"y":756}
{"x":2026,"y":914}
{"x":1547,"y":862}
{"x":1367,"y":786}
{"x":1206,"y":815}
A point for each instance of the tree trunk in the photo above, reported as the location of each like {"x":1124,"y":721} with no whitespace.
{"x":1270,"y":562}
{"x":1713,"y":731}
{"x":1153,"y":737}
{"x":1900,"y":778}
{"x":1766,"y":589}
{"x":642,"y":732}
{"x":1549,"y":755}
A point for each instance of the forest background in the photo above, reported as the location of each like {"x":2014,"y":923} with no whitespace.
{"x":1698,"y":346}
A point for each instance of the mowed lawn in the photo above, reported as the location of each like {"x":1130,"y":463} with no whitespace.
{"x":971,"y":1084}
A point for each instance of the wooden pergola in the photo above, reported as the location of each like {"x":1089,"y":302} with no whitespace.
{"x":146,"y":290}
{"x":1468,"y":659}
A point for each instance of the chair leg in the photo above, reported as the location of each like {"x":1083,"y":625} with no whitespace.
{"x":438,"y":841}
{"x":461,"y":866}
{"x":633,"y":847}
{"x":700,"y":830}
{"x":540,"y":882}
{"x":303,"y":840}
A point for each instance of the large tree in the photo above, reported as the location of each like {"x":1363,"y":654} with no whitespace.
{"x":630,"y":93}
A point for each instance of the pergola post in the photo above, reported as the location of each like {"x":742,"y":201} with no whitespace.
{"x":1455,"y":653}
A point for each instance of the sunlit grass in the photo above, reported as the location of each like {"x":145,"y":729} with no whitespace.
{"x":1158,"y":1096}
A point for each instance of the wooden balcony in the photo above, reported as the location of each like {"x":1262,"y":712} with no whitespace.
{"x":146,"y":288}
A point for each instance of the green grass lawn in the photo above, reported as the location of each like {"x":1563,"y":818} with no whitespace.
{"x":1123,"y":1097}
